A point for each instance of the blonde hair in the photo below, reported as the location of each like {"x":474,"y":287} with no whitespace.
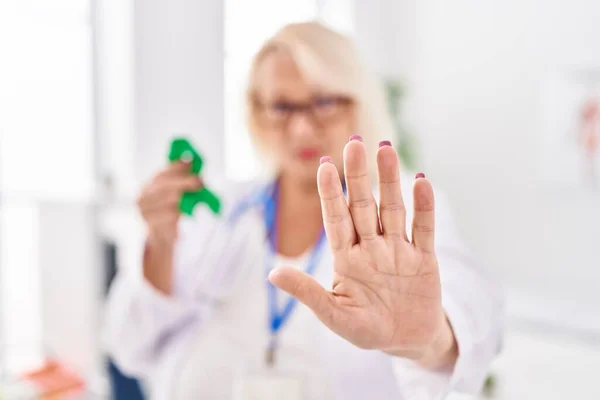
{"x":331,"y":61}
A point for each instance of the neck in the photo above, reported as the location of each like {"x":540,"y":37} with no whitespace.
{"x":299,"y":214}
{"x":294,"y":191}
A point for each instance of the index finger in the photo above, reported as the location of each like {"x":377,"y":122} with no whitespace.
{"x":174,"y":169}
{"x":182,"y":184}
{"x":336,"y":215}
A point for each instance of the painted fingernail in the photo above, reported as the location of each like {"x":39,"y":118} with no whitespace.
{"x":325,"y":159}
{"x":356,"y":137}
{"x":420,"y":175}
{"x":385,"y":143}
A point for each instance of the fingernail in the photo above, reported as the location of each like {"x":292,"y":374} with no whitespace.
{"x":356,"y":137}
{"x":385,"y":143}
{"x":325,"y":159}
{"x":420,"y":175}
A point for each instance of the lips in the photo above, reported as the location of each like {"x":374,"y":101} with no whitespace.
{"x":309,"y":153}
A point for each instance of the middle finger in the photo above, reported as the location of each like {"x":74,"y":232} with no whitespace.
{"x":360,"y":193}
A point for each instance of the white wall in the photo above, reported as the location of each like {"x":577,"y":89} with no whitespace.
{"x":385,"y":31}
{"x":179,"y":69}
{"x":480,"y":69}
{"x":476,"y":74}
{"x":114,"y":92}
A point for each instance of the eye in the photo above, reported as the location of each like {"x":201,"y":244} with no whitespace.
{"x":325,"y":106}
{"x":279,"y":110}
{"x":325,"y":101}
{"x":282,"y":107}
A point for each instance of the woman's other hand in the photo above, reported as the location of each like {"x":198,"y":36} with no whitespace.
{"x":386,"y":291}
{"x":158,"y":203}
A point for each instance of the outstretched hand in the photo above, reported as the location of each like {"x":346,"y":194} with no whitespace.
{"x":386,"y":287}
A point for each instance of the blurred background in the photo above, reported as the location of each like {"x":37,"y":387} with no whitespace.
{"x":491,"y":99}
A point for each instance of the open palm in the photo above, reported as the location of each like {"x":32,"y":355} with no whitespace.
{"x":386,"y":287}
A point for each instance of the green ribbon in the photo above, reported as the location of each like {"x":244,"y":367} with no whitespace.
{"x":182,"y":150}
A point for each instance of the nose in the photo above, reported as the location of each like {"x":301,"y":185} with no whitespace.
{"x":301,"y":125}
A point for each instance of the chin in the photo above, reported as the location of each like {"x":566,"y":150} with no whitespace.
{"x":304,"y":172}
{"x":308,"y":176}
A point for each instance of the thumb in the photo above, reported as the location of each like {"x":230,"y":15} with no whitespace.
{"x":306,"y":289}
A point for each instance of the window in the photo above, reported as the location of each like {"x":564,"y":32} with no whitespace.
{"x":46,"y":150}
{"x":247,"y":25}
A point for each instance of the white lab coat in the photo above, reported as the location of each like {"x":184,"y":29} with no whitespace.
{"x":220,"y":292}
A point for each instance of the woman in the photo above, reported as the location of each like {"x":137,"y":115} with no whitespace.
{"x":383,"y":311}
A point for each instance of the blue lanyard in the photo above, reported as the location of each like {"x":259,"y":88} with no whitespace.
{"x":278,"y":319}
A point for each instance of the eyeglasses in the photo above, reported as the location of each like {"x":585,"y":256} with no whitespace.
{"x":322,"y":109}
